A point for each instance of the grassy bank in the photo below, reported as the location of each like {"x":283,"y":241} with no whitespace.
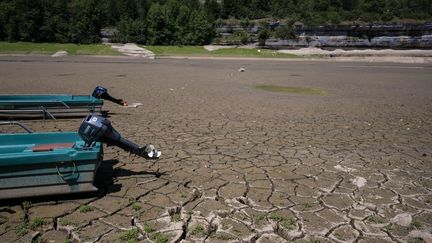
{"x":199,"y":51}
{"x":292,"y":90}
{"x":51,"y":48}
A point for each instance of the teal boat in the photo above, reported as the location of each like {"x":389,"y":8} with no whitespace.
{"x":38,"y":164}
{"x":50,"y":163}
{"x":48,"y":105}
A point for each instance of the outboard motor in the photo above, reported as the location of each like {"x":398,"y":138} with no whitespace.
{"x":102,"y":93}
{"x":98,"y":129}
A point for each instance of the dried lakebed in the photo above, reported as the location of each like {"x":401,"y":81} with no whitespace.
{"x":241,"y":164}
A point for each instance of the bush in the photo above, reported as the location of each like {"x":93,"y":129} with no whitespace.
{"x":285,"y":33}
{"x":242,"y":36}
{"x":263,"y":35}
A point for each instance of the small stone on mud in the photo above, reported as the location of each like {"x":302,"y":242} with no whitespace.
{"x":241,"y":70}
{"x":403,"y":219}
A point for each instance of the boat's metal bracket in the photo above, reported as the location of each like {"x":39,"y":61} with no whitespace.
{"x":17,"y":124}
{"x":70,"y":174}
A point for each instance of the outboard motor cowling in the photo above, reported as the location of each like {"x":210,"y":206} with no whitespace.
{"x":102,"y":93}
{"x":99,"y":129}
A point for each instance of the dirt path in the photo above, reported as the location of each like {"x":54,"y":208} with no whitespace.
{"x":242,"y":164}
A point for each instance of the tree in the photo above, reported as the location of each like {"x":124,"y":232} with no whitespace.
{"x":160,"y":28}
{"x":200,"y":30}
{"x":282,"y":8}
{"x":182,"y":24}
{"x":212,"y":9}
{"x":263,"y":33}
{"x":132,"y":31}
{"x":181,"y":21}
{"x":55,"y":27}
{"x":285,"y":33}
{"x":231,"y":8}
{"x":349,"y":4}
{"x":87,"y":21}
{"x":306,"y":10}
{"x":259,"y":8}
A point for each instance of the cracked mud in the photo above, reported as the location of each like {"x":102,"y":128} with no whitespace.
{"x":240,"y":164}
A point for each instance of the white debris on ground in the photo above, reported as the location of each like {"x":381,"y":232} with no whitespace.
{"x":133,"y":105}
{"x":403,"y":219}
{"x":241,"y":70}
{"x":131,"y":49}
{"x":60,"y":54}
{"x":344,"y":169}
{"x":359,"y":182}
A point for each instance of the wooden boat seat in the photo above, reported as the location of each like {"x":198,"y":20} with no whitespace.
{"x":51,"y":147}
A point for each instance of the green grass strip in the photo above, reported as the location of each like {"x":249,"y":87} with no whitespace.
{"x":200,"y":51}
{"x":51,"y":48}
{"x":292,"y":90}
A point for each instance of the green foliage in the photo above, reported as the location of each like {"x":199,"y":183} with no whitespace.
{"x":259,"y":219}
{"x":21,"y":229}
{"x":181,"y":22}
{"x":292,"y":90}
{"x":87,"y":22}
{"x":68,"y":222}
{"x":285,"y":33}
{"x":307,"y":204}
{"x":200,"y":51}
{"x":130,"y":235}
{"x":416,"y":240}
{"x":36,"y":222}
{"x":263,"y":34}
{"x":51,"y":48}
{"x":24,"y":227}
{"x":212,"y":9}
{"x":285,"y":222}
{"x":176,"y":24}
{"x":136,"y":207}
{"x":26,"y":204}
{"x":224,"y":236}
{"x":61,"y":21}
{"x":159,"y":237}
{"x":148,"y":229}
{"x":86,"y":208}
{"x":242,"y":37}
{"x":416,"y":224}
{"x":199,"y":230}
{"x":175,"y":217}
{"x":375,"y":219}
{"x":153,"y":235}
{"x":39,"y":239}
{"x":131,"y":31}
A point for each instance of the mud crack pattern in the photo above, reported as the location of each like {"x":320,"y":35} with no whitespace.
{"x":340,"y":172}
